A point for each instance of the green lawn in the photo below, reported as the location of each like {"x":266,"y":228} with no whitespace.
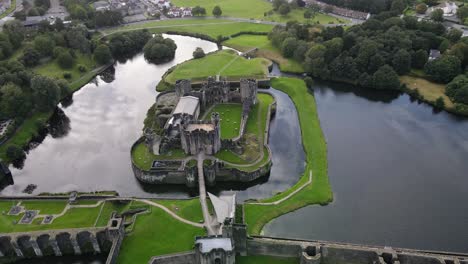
{"x":315,"y":147}
{"x":25,"y":133}
{"x":155,"y":234}
{"x":187,"y":209}
{"x":143,"y":158}
{"x":233,"y":8}
{"x":266,"y":50}
{"x":266,"y":260}
{"x":74,"y":218}
{"x":298,"y":15}
{"x":226,"y":63}
{"x":230,"y":115}
{"x":209,"y":27}
{"x":108,"y":208}
{"x":52,"y":69}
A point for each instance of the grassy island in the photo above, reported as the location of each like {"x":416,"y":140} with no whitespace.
{"x":225,"y":63}
{"x":315,"y":147}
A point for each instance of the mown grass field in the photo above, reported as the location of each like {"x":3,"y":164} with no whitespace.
{"x":225,"y":63}
{"x":157,"y":233}
{"x":266,"y":260}
{"x":143,"y":157}
{"x":210,"y":27}
{"x":187,"y":209}
{"x":230,"y":115}
{"x":298,"y":15}
{"x":238,"y":8}
{"x":315,"y":147}
{"x":266,"y":50}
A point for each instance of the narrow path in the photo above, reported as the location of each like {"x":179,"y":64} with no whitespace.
{"x":170,"y":212}
{"x":289,"y":195}
{"x":202,"y":190}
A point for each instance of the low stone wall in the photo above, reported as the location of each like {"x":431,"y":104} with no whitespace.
{"x":180,"y":258}
{"x":342,"y":253}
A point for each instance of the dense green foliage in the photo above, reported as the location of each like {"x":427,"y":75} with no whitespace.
{"x":375,"y":53}
{"x":127,"y":44}
{"x":373,"y":6}
{"x":159,"y":49}
{"x":457,"y":89}
{"x":102,"y":54}
{"x":198,"y":53}
{"x":217,"y":11}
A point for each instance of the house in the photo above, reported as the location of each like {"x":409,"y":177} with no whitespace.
{"x":434,"y":54}
{"x":164,"y":3}
{"x":187,"y":12}
{"x":101,"y":6}
{"x":174,"y":12}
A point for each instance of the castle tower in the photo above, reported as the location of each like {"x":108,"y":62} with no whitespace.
{"x":215,"y":120}
{"x":248,"y":90}
{"x":183,"y":87}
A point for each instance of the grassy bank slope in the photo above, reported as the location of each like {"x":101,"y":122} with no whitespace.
{"x":157,"y":233}
{"x":265,"y":49}
{"x":319,"y":192}
{"x":209,"y":27}
{"x":226,"y":63}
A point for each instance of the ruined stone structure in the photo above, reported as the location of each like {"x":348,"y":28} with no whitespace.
{"x":65,"y":242}
{"x":196,"y":136}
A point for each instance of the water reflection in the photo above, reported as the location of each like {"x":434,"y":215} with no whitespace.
{"x":398,"y":172}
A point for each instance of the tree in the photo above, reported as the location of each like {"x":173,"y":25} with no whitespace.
{"x":328,"y":9}
{"x":288,"y":47}
{"x":398,"y":6}
{"x":14,"y":102}
{"x":431,"y":2}
{"x":198,"y":53}
{"x":15,"y":153}
{"x":443,"y":69}
{"x":65,"y":60}
{"x":462,"y":12}
{"x":386,"y":78}
{"x":217,"y":12}
{"x":46,"y":93}
{"x":102,"y":54}
{"x":198,"y":11}
{"x":30,"y":57}
{"x":315,"y":61}
{"x":437,"y":15}
{"x":419,"y":59}
{"x":159,"y":49}
{"x":309,"y":82}
{"x":284,"y":9}
{"x":42,"y":3}
{"x":308,"y":14}
{"x":444,"y":45}
{"x":439,"y":103}
{"x":457,"y":89}
{"x":59,"y":26}
{"x":421,"y":8}
{"x":108,"y":18}
{"x":44,"y":45}
{"x":15,"y":31}
{"x":278,"y":3}
{"x":402,"y":62}
{"x":454,"y":35}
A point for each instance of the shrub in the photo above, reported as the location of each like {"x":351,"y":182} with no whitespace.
{"x":198,"y":53}
{"x":15,"y":153}
{"x":82,"y":68}
{"x":439,"y":103}
{"x":309,"y":82}
{"x":65,"y":60}
{"x":67,"y":75}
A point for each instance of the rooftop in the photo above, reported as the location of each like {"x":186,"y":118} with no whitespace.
{"x":187,"y":105}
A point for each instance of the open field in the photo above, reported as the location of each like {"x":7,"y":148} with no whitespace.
{"x":187,"y":209}
{"x":157,"y":233}
{"x":319,"y":192}
{"x":239,"y":8}
{"x":298,"y":15}
{"x":266,"y":260}
{"x":143,"y":158}
{"x":230,"y":115}
{"x":210,"y":27}
{"x":225,"y":63}
{"x":266,"y":50}
{"x":430,"y":91}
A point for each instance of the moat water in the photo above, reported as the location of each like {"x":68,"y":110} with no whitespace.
{"x":397,"y":169}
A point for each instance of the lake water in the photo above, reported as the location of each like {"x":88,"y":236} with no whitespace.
{"x":398,"y":170}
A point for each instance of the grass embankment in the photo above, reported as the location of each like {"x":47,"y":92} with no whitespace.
{"x":225,"y":63}
{"x":319,"y":192}
{"x":265,"y":49}
{"x":429,"y":91}
{"x":9,"y":10}
{"x":73,"y":218}
{"x":230,"y":116}
{"x":265,"y":260}
{"x":143,"y":157}
{"x":254,"y":136}
{"x":157,"y":233}
{"x":209,"y":27}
